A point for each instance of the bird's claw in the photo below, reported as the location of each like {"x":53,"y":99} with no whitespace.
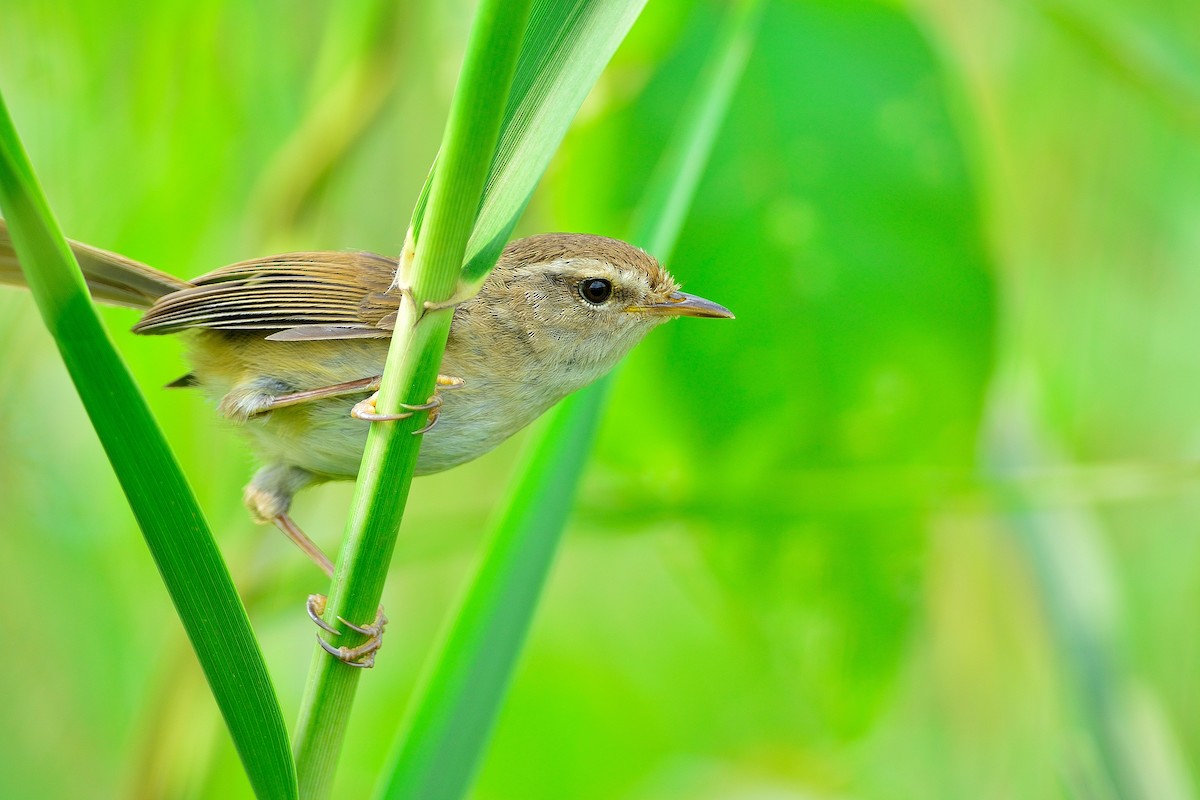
{"x":362,"y":656}
{"x":316,"y":610}
{"x":365,"y":409}
{"x":434,"y":405}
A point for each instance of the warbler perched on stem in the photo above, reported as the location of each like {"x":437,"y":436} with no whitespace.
{"x":292,"y":346}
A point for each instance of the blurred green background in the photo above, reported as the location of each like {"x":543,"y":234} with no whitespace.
{"x":920,"y":523}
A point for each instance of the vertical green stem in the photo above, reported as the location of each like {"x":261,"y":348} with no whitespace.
{"x":445,"y":732}
{"x":410,"y":375}
{"x":1081,"y":597}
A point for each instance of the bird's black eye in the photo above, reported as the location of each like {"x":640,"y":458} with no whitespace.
{"x":595,"y":290}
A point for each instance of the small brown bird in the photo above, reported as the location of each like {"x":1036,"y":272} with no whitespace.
{"x":291,"y":346}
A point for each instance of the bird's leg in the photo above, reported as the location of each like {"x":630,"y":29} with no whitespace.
{"x":262,"y":395}
{"x":362,"y":656}
{"x":365,"y":409}
{"x":460,"y":295}
{"x":268,"y":497}
{"x":300,"y":538}
{"x":457,"y":300}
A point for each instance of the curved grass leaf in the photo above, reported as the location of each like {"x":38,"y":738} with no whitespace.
{"x":566,"y":47}
{"x":668,"y":197}
{"x":166,"y":510}
{"x":444,"y":735}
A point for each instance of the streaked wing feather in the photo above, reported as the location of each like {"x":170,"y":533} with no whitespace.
{"x":319,"y":295}
{"x":312,"y":333}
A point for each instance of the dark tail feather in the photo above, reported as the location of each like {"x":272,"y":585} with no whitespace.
{"x":183,"y":382}
{"x":111,"y":278}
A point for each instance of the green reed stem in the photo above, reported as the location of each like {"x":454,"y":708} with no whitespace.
{"x":410,"y":375}
{"x":442,"y":742}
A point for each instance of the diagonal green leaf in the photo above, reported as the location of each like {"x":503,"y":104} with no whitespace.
{"x":166,"y":510}
{"x":669,"y":194}
{"x":566,"y":49}
{"x":567,"y":46}
{"x":444,"y":736}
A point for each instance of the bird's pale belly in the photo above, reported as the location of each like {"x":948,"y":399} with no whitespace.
{"x":324,"y":439}
{"x":321,"y":436}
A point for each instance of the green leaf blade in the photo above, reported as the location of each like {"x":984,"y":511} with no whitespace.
{"x":566,"y":48}
{"x":668,"y":196}
{"x":462,"y":689}
{"x":162,"y":502}
{"x":442,"y":742}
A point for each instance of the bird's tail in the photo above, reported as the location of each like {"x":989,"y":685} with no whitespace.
{"x":111,"y":278}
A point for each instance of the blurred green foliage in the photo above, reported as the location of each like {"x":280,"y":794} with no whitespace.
{"x":786,"y":576}
{"x":836,"y":219}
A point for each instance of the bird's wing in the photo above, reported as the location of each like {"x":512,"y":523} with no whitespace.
{"x":296,"y":296}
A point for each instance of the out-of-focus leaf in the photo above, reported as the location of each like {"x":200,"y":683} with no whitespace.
{"x":840,"y":224}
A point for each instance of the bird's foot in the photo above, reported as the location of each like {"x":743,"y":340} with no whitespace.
{"x":365,"y":409}
{"x":362,"y":656}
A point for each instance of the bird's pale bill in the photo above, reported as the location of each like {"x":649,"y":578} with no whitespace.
{"x":681,"y":304}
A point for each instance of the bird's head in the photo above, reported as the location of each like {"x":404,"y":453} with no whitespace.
{"x":580,"y":302}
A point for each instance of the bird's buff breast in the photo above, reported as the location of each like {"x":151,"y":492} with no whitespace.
{"x":324,"y":439}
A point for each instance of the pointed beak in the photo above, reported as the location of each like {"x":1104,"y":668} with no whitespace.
{"x":680,"y":304}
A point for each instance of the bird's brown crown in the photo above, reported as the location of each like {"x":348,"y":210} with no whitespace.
{"x":566,"y":247}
